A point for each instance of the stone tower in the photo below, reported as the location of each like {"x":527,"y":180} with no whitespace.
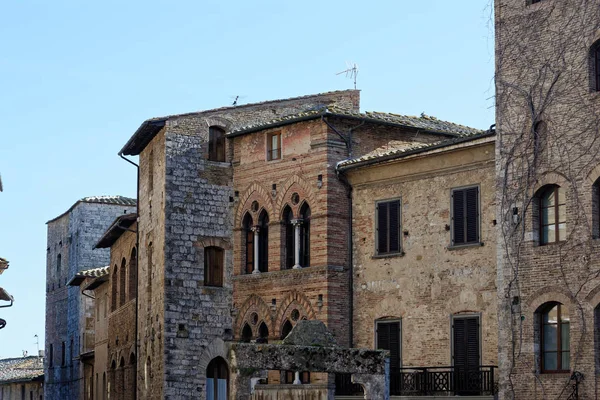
{"x":548,"y":165}
{"x":70,"y":249}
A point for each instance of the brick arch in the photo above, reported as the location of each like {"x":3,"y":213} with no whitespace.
{"x":216,"y":348}
{"x":593,"y":298}
{"x":253,"y":303}
{"x":551,"y":178}
{"x":547,"y":294}
{"x":254,"y":192}
{"x":220,"y":122}
{"x":223,"y":243}
{"x":303,"y":189}
{"x":593,"y":175}
{"x":300,"y":301}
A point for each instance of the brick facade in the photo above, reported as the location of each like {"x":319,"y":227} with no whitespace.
{"x":543,"y":59}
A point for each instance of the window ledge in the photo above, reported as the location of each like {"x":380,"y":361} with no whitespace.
{"x":465,"y":246}
{"x":390,"y":255}
{"x":222,"y":164}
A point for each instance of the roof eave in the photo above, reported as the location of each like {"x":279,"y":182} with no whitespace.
{"x":276,"y":124}
{"x":399,"y":155}
{"x":142,"y":136}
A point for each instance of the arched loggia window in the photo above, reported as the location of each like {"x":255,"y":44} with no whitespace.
{"x":217,"y":379}
{"x":288,"y":235}
{"x":286,"y":329}
{"x":246,"y":334}
{"x":263,"y":242}
{"x":122,"y":281}
{"x":249,"y":242}
{"x":305,"y":236}
{"x":263,"y":333}
{"x":133,"y":272}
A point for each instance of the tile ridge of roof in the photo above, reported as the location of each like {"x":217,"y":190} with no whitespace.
{"x":258,"y":103}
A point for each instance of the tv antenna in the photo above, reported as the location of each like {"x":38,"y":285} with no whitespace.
{"x":235,"y":99}
{"x":351,"y":72}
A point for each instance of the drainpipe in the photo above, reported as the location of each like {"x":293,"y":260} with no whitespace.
{"x":137,"y":245}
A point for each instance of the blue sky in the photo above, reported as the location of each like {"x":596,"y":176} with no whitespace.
{"x":77,"y":79}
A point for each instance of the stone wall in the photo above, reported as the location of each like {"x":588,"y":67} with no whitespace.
{"x":15,"y":391}
{"x":428,"y":282}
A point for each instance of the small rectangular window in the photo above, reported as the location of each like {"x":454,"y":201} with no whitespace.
{"x":213,"y":266}
{"x":465,"y":216}
{"x":388,"y":227}
{"x":274,"y":146}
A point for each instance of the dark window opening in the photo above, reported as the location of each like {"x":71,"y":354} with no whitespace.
{"x":263,"y":242}
{"x":466,"y":354}
{"x":51,"y":356}
{"x":595,"y":66}
{"x":290,"y":376}
{"x":286,"y":329}
{"x":388,"y":227}
{"x":290,"y":243}
{"x":246,"y":333}
{"x":213,"y":266}
{"x":263,"y":333}
{"x":465,"y":216}
{"x":216,"y":144}
{"x":133,"y":272}
{"x":63,"y":358}
{"x":249,"y":240}
{"x":122,"y":281}
{"x":388,"y":337}
{"x":114,"y":290}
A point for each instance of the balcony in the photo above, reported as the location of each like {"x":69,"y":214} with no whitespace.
{"x":412,"y":382}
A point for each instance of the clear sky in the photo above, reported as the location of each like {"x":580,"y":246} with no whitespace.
{"x":78,"y":77}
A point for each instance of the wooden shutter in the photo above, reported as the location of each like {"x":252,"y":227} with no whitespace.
{"x":388,"y":227}
{"x":472,"y":214}
{"x":466,"y":342}
{"x":394,"y":227}
{"x":465,"y":216}
{"x":388,"y":338}
{"x":458,"y":216}
{"x":382,"y":228}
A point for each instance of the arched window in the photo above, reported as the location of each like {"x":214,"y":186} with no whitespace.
{"x":286,"y":329}
{"x":249,"y":241}
{"x":114,"y":285}
{"x":216,"y":144}
{"x":554,"y":337}
{"x":263,"y":242}
{"x":133,"y":271}
{"x":552,"y":214}
{"x":217,"y":379}
{"x":263,"y":333}
{"x":213,"y":266}
{"x":122,"y":281}
{"x":288,"y":235}
{"x":246,"y":333}
{"x":305,"y":236}
{"x":595,"y":66}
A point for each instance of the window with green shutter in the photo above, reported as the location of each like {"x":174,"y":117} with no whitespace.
{"x":388,"y":227}
{"x":465,"y":216}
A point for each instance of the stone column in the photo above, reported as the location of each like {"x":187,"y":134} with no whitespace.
{"x":297,"y":224}
{"x":256,"y":230}
{"x":297,"y":378}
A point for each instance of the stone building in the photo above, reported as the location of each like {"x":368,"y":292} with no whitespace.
{"x":424,"y":270}
{"x":243,"y":232}
{"x":69,"y":315}
{"x":22,"y":378}
{"x":120,"y":299}
{"x":548,"y":165}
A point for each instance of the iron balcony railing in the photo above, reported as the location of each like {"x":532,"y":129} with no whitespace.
{"x":430,"y":381}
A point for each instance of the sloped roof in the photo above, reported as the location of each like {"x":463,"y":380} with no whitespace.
{"x":88,"y":273}
{"x":21,"y":369}
{"x":115,"y":200}
{"x":391,"y":152}
{"x":115,"y":230}
{"x":149,"y":128}
{"x":424,"y":122}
